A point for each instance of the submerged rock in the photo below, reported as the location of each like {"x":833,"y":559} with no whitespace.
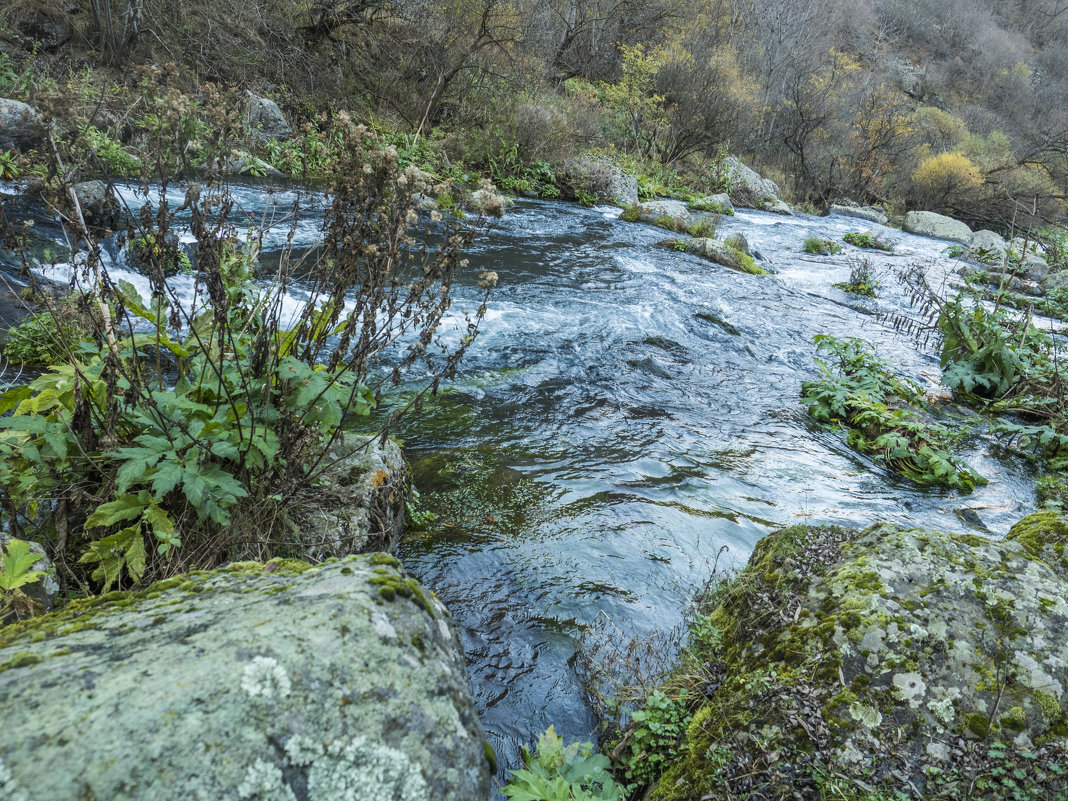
{"x":938,"y":226}
{"x":910,"y":659}
{"x":272,"y":682}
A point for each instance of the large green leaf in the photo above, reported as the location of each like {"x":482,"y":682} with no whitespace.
{"x":15,"y":563}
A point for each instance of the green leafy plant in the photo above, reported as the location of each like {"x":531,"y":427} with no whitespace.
{"x":586,"y":198}
{"x":821,"y":247}
{"x":856,"y":390}
{"x":654,"y":736}
{"x":16,"y":562}
{"x":563,"y":773}
{"x":181,"y":435}
{"x":9,"y":168}
{"x":109,"y":155}
{"x":866,"y":240}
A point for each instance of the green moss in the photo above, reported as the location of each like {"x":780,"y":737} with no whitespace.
{"x":392,"y":585}
{"x":384,"y":559}
{"x":1041,"y":531}
{"x":631,"y":213}
{"x":21,"y":659}
{"x":1015,"y":719}
{"x":491,"y":756}
{"x":977,"y":724}
{"x":1049,"y":706}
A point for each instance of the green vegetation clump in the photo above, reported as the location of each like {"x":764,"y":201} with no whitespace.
{"x":631,"y":213}
{"x":821,"y":247}
{"x":866,"y":240}
{"x":880,"y":412}
{"x":563,"y":773}
{"x":861,"y":280}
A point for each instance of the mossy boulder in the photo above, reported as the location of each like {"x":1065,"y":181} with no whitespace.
{"x":264,"y":682}
{"x":907,"y":660}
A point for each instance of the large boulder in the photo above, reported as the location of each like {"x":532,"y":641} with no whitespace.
{"x":938,"y":226}
{"x":671,"y":214}
{"x":987,"y":247}
{"x":715,"y":204}
{"x":21,"y":126}
{"x":264,"y":119}
{"x":357,"y":502}
{"x":748,"y":187}
{"x":258,"y":682}
{"x":600,"y":178}
{"x":908,"y":660}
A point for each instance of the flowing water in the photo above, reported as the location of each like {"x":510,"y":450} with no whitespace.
{"x":627,"y":413}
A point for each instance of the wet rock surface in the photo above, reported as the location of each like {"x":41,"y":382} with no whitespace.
{"x":257,"y":681}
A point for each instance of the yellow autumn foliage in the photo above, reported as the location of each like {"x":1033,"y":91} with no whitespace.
{"x":946,"y":181}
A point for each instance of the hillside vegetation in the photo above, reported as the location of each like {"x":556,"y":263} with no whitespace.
{"x":956,"y":106}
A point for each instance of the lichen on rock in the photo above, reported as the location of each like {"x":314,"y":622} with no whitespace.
{"x":255,"y":682}
{"x":892,"y":656}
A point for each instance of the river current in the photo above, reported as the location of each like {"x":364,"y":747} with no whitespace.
{"x":627,"y":421}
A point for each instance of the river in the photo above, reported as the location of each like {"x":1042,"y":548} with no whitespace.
{"x":627,"y":413}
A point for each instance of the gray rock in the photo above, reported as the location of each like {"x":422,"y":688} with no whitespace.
{"x":268,"y":682}
{"x":100,"y":207}
{"x":777,"y":205}
{"x":21,"y":126}
{"x":599,"y":177}
{"x":720,"y":252}
{"x":671,"y":214}
{"x":241,"y":163}
{"x":869,"y":213}
{"x":43,"y":30}
{"x":42,"y":592}
{"x":938,"y":226}
{"x":1057,"y":280}
{"x":264,"y":119}
{"x":358,"y":500}
{"x":744,"y":178}
{"x":987,"y":247}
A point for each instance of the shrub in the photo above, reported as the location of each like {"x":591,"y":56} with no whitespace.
{"x":178,"y":437}
{"x":946,"y":182}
